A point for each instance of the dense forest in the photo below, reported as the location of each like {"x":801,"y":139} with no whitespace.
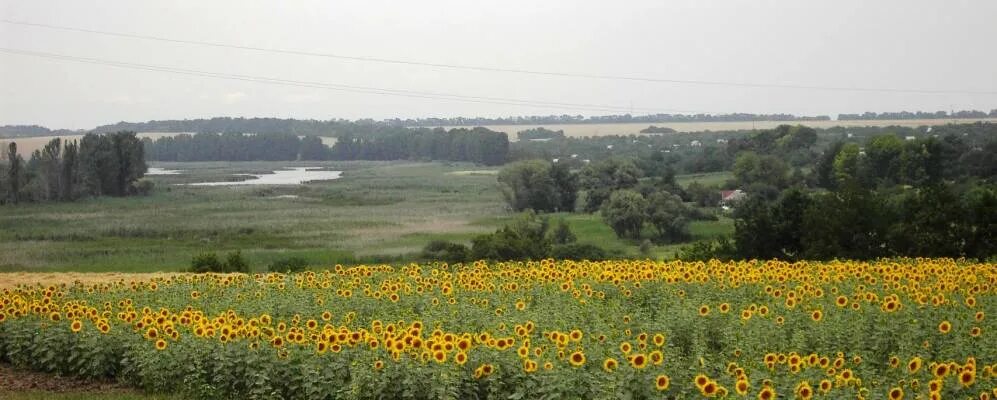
{"x":810,"y":194}
{"x":235,"y":147}
{"x":478,"y":145}
{"x":96,"y":165}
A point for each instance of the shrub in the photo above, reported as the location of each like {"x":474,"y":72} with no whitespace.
{"x":143,"y":187}
{"x":235,"y":263}
{"x":449,"y":252}
{"x":578,"y":251}
{"x":205,"y":262}
{"x":209,"y":262}
{"x":291,"y":264}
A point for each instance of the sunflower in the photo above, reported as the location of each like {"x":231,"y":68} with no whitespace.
{"x":658,"y":339}
{"x":610,"y":364}
{"x":940,"y":370}
{"x":704,"y":310}
{"x":701,"y":380}
{"x":460,"y":358}
{"x":76,"y":326}
{"x":945,"y":327}
{"x":914,"y":365}
{"x":975,"y":331}
{"x":661,"y":382}
{"x":710,"y":389}
{"x":804,"y":391}
{"x":766,"y":393}
{"x":967,"y":377}
{"x":160,"y":344}
{"x":625,"y":347}
{"x":577,"y":358}
{"x":378,"y":365}
{"x":824,"y":386}
{"x":742,"y":386}
{"x":638,"y":361}
{"x":817,"y":315}
{"x":657,"y":357}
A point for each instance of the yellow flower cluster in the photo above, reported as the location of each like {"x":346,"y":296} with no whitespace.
{"x":756,"y":328}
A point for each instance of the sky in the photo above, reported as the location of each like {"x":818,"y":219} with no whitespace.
{"x":910,"y":45}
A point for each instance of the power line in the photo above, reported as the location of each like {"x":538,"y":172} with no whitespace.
{"x":503,"y":70}
{"x":336,"y":86}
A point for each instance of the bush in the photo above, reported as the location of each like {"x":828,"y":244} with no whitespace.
{"x":449,"y":252}
{"x":143,"y":187}
{"x":291,"y":264}
{"x":721,"y":249}
{"x":209,"y":262}
{"x":205,"y":262}
{"x":578,"y":251}
{"x":235,"y":263}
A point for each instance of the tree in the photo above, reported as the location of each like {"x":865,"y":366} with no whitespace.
{"x":704,"y":196}
{"x":562,"y":233}
{"x":526,"y":238}
{"x":49,"y":160}
{"x":883,"y":153}
{"x":130,"y":154}
{"x":825,"y":166}
{"x":566,"y":184}
{"x":751,"y":168}
{"x":625,"y":212}
{"x":788,"y":228}
{"x":753,"y":233}
{"x":669,"y":216}
{"x":846,"y":165}
{"x":15,"y":172}
{"x":528,"y":185}
{"x":69,"y":175}
{"x":601,"y":179}
{"x":312,"y":148}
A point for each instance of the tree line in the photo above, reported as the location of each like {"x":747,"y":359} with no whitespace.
{"x":96,"y":165}
{"x":918,"y":115}
{"x":235,"y":147}
{"x":477,"y":145}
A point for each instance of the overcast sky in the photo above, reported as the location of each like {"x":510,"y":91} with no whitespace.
{"x":929,"y":45}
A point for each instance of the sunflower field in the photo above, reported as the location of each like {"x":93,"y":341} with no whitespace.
{"x":891,"y":329}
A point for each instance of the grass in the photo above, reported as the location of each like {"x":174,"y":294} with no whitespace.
{"x":590,"y":229}
{"x":377,"y":212}
{"x":377,"y":209}
{"x":707,"y":178}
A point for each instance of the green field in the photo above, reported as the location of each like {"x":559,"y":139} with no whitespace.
{"x":377,"y":212}
{"x":706,"y":178}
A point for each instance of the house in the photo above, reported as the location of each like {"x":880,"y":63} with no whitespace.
{"x":729,"y":198}
{"x":695,"y":143}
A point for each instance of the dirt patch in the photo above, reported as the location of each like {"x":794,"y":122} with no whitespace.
{"x":15,"y":380}
{"x":12,"y":279}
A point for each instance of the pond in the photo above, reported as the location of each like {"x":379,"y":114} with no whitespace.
{"x":289,"y":176}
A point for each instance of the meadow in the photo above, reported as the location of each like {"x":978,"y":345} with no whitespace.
{"x":893,"y":329}
{"x":377,"y":212}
